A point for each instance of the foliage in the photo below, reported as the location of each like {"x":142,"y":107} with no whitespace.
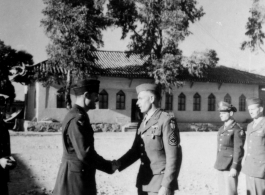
{"x":156,"y":27}
{"x":44,"y":126}
{"x":10,"y":58}
{"x":254,"y":27}
{"x":74,"y":29}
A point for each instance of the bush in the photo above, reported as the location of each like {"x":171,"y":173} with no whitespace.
{"x":44,"y":127}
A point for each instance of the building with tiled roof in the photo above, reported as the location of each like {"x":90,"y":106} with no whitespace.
{"x":119,"y":74}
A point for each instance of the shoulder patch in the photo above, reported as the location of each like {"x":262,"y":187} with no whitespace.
{"x":81,"y":119}
{"x":172,"y":140}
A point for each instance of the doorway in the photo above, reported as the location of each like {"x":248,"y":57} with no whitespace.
{"x":136,"y":114}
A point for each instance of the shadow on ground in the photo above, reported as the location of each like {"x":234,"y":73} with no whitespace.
{"x":23,"y":181}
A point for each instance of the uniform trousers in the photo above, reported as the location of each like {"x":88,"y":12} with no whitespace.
{"x":227,"y":185}
{"x":3,"y":189}
{"x":141,"y":192}
{"x":255,"y":186}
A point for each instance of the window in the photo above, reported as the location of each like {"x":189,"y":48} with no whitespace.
{"x":182,"y":102}
{"x":228,"y":98}
{"x":60,"y":100}
{"x":120,"y":100}
{"x":103,"y":99}
{"x":169,"y":102}
{"x":242,"y":103}
{"x":196,"y":102}
{"x":211,"y":102}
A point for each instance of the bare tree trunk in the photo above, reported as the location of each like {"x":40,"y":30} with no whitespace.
{"x":67,"y":90}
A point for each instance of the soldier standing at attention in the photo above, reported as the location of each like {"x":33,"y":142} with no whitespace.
{"x":77,"y":171}
{"x":254,"y":164}
{"x":7,"y":162}
{"x":230,"y":151}
{"x":157,"y":144}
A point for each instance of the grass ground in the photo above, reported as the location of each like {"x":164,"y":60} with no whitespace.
{"x":39,"y":157}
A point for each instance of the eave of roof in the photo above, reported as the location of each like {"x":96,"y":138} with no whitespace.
{"x":119,"y":64}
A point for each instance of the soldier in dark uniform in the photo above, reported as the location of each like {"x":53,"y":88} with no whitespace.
{"x":7,"y":162}
{"x":230,"y":151}
{"x":80,"y":160}
{"x":157,"y":144}
{"x":254,"y":161}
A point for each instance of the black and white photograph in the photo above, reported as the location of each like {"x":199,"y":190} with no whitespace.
{"x":132,"y":97}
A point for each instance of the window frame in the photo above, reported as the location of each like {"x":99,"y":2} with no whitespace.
{"x":169,"y":102}
{"x":211,"y":102}
{"x":181,"y":102}
{"x":227,"y":96}
{"x":120,"y":102}
{"x":196,"y":104}
{"x":103,"y":99}
{"x":242,"y":105}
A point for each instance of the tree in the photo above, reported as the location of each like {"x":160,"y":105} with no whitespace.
{"x":10,"y":58}
{"x":74,"y":28}
{"x":156,"y":27}
{"x":254,"y":26}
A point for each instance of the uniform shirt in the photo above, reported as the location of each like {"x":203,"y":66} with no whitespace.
{"x":230,"y":143}
{"x":157,"y":145}
{"x":254,"y":164}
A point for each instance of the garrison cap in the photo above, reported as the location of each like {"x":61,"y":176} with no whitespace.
{"x":87,"y":85}
{"x":254,"y":100}
{"x":226,"y":107}
{"x":147,"y":87}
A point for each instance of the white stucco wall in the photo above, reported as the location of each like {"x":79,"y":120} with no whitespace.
{"x":46,"y":100}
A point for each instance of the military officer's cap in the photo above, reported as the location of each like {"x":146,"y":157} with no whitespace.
{"x":87,"y":85}
{"x":254,"y":100}
{"x":226,"y":107}
{"x":147,"y":87}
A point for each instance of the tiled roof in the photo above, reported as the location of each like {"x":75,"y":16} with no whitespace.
{"x":119,"y":64}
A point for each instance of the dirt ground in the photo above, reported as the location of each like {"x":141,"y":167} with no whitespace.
{"x":39,"y":156}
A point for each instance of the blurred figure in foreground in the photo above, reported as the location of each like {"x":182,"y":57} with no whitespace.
{"x":7,"y":162}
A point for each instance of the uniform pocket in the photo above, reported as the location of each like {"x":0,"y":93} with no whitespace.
{"x":76,"y":166}
{"x":155,"y":141}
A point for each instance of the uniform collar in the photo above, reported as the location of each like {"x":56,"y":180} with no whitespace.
{"x":260,"y":124}
{"x":230,"y":125}
{"x":79,"y":108}
{"x":153,"y":120}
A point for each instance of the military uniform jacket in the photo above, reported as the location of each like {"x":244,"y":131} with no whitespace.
{"x":230,"y":151}
{"x":76,"y":174}
{"x":254,"y":164}
{"x":5,"y":151}
{"x":157,"y":145}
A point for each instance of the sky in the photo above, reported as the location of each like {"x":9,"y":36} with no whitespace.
{"x":222,"y":28}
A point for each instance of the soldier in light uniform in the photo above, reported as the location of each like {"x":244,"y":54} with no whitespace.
{"x":254,"y":164}
{"x":156,"y":144}
{"x":80,"y":161}
{"x":230,"y":142}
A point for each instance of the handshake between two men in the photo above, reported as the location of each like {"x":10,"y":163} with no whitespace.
{"x":115,"y":165}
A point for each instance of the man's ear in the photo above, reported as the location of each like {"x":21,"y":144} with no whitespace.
{"x":87,"y":95}
{"x":231,"y":113}
{"x":261,"y":109}
{"x":152,"y":98}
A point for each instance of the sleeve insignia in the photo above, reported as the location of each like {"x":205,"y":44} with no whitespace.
{"x":81,"y":120}
{"x":172,"y":125}
{"x":173,"y":139}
